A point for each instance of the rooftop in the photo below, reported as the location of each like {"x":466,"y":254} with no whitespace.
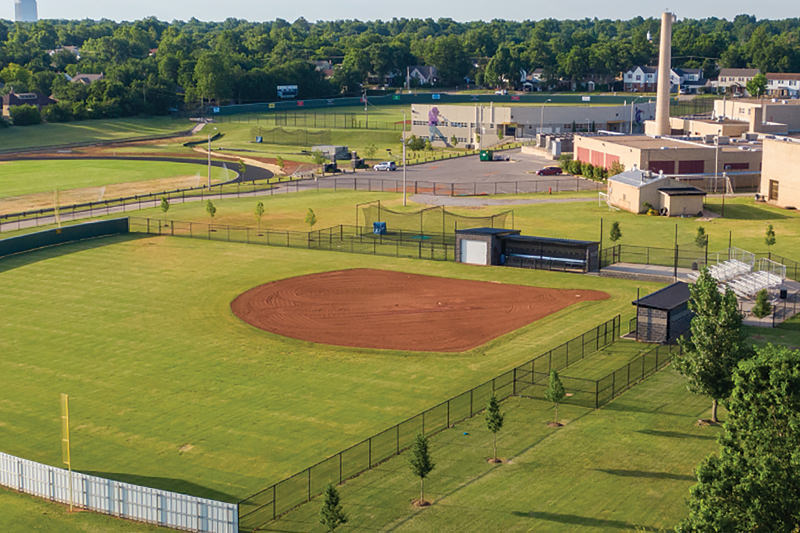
{"x":683,"y":191}
{"x":642,"y":142}
{"x":487,"y":231}
{"x":666,"y":299}
{"x":637,"y":178}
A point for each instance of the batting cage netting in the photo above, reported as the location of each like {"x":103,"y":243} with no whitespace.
{"x":430,"y":221}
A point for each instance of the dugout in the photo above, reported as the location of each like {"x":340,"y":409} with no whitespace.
{"x":664,"y":315}
{"x":493,"y":246}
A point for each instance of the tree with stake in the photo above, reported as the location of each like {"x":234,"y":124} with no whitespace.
{"x":331,"y":515}
{"x":319,"y":159}
{"x":370,"y":151}
{"x":717,"y":342}
{"x":164,"y":207}
{"x":701,"y":239}
{"x":211,"y":209}
{"x":616,"y":233}
{"x":421,"y":465}
{"x":281,"y":163}
{"x":752,"y":483}
{"x":242,"y":169}
{"x":259,"y":213}
{"x":763,"y":307}
{"x":311,"y":218}
{"x":494,"y":423}
{"x":769,"y":238}
{"x":555,"y":393}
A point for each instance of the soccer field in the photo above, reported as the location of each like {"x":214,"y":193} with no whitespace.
{"x":171,"y":390}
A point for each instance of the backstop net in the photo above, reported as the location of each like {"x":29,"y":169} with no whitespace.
{"x":430,"y":221}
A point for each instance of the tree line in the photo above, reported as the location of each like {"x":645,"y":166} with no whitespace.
{"x":153,"y":67}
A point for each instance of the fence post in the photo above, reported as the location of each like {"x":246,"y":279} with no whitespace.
{"x":398,"y":439}
{"x":597,"y":394}
{"x":369,"y":455}
{"x":340,"y":468}
{"x":513,"y":383}
{"x":274,"y":501}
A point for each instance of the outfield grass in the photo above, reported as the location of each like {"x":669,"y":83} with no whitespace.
{"x":607,"y":360}
{"x":18,"y":178}
{"x":170,"y":390}
{"x":44,"y":135}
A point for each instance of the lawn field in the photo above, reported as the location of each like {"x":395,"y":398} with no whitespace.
{"x":170,"y":390}
{"x":607,"y":360}
{"x":45,"y":135}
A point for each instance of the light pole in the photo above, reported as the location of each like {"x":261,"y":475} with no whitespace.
{"x":633,"y":105}
{"x":716,"y":160}
{"x":404,"y":160}
{"x":541,"y":118}
{"x":209,"y":156}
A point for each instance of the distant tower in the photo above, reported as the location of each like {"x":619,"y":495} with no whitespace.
{"x":664,"y":69}
{"x":25,"y":11}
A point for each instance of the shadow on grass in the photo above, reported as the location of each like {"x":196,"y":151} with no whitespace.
{"x":49,"y":252}
{"x":578,"y":520}
{"x":746,"y":212}
{"x":675,"y":434}
{"x":169,"y":484}
{"x":647,"y":474}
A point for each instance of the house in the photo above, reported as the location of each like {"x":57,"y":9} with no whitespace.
{"x":783,"y":85}
{"x":86,"y":79}
{"x":645,"y":79}
{"x":13,"y":99}
{"x":734,"y":80}
{"x":664,"y":315}
{"x":780,"y":178}
{"x":687,"y":80}
{"x":637,"y":191}
{"x":424,"y":75}
{"x":74,"y":50}
{"x":531,"y":80}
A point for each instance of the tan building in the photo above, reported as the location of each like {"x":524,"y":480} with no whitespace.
{"x":638,"y":191}
{"x":485,"y":124}
{"x":780,"y":179}
{"x":670,"y":156}
{"x":771,"y":115}
{"x":697,"y":127}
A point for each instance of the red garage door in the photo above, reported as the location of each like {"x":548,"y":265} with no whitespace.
{"x":668,"y":167}
{"x":583,"y":155}
{"x":598,"y":158}
{"x":611,"y":159}
{"x":691,"y":167}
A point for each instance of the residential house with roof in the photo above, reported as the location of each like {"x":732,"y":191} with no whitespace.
{"x":643,"y":79}
{"x":783,"y":85}
{"x":734,"y":80}
{"x":86,"y":79}
{"x":13,"y":99}
{"x":423,"y":74}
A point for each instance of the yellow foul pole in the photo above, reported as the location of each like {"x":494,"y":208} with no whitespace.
{"x":65,"y":455}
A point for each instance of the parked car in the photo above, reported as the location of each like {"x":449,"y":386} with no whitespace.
{"x":549,"y":171}
{"x":386,"y":165}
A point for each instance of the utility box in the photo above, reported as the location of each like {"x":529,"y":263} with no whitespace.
{"x":379,"y":228}
{"x":487,"y":155}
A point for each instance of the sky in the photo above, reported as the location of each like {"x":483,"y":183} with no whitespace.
{"x":462,"y":10}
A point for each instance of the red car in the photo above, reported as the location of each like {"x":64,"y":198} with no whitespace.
{"x":549,"y":171}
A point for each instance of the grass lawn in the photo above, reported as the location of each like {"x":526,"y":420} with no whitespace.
{"x":44,"y":135}
{"x":18,"y":178}
{"x":786,"y":334}
{"x":625,"y":467}
{"x":170,"y":390}
{"x":607,"y":360}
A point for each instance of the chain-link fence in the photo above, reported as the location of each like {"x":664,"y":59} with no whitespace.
{"x":429,"y":220}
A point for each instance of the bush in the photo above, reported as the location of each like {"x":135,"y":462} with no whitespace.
{"x":25,"y":115}
{"x":564,"y":162}
{"x":587,"y":169}
{"x":598,"y":173}
{"x":762,"y":307}
{"x":575,"y":167}
{"x":60,"y":112}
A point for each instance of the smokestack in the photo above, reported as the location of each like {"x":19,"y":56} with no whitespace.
{"x":664,"y":69}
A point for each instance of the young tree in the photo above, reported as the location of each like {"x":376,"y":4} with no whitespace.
{"x":616,"y":233}
{"x":717,"y":342}
{"x":757,"y":86}
{"x":752,"y":483}
{"x":762,"y":307}
{"x":454,"y":141}
{"x":164,"y":207}
{"x":242,"y":169}
{"x":211,"y":209}
{"x":370,"y":151}
{"x":332,"y":515}
{"x":769,"y":238}
{"x":311,"y":218}
{"x":319,"y":159}
{"x":555,"y":392}
{"x":494,"y":423}
{"x":259,"y":213}
{"x":701,"y":238}
{"x":280,"y":162}
{"x":421,"y":464}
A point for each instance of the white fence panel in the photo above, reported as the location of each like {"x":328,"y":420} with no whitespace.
{"x":142,"y":504}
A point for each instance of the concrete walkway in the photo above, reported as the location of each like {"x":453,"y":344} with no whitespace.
{"x":478,"y":201}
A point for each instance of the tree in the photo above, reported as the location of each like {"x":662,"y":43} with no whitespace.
{"x":25,"y":115}
{"x":332,"y":515}
{"x":757,"y":87}
{"x":616,"y":233}
{"x":281,"y":163}
{"x":762,"y":307}
{"x":753,"y":483}
{"x":701,"y":238}
{"x":421,"y":464}
{"x":242,"y":169}
{"x":259,"y":213}
{"x":769,"y":237}
{"x":211,"y":209}
{"x":555,"y":392}
{"x":717,"y":342}
{"x":454,"y":141}
{"x":319,"y":159}
{"x":494,"y":423}
{"x":311,"y":218}
{"x":212,"y":76}
{"x":164,"y":207}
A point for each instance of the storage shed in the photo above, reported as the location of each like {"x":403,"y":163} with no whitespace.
{"x":682,"y":201}
{"x":664,"y":315}
{"x":481,"y":246}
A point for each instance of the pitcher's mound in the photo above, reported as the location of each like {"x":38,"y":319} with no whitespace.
{"x":393,"y":310}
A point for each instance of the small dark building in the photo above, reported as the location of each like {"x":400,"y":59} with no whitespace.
{"x":36,"y":99}
{"x":664,"y":315}
{"x":494,"y":246}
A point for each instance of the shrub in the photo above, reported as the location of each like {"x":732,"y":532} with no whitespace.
{"x":564,"y":162}
{"x":25,"y":115}
{"x":575,"y":167}
{"x":60,"y":112}
{"x":762,"y":307}
{"x":616,"y":168}
{"x":587,"y":169}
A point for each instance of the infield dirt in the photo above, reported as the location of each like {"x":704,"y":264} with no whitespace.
{"x":380,"y":309}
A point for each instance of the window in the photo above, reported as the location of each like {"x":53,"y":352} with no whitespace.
{"x":773,"y":190}
{"x":638,"y":78}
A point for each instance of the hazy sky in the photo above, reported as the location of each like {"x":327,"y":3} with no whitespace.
{"x":385,"y":9}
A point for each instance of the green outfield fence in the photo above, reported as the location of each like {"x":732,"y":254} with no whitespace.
{"x":266,"y":505}
{"x":52,"y":237}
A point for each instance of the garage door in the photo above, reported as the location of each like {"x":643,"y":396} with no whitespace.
{"x":474,"y":252}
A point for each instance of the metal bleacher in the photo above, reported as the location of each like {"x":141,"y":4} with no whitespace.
{"x":738,"y":270}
